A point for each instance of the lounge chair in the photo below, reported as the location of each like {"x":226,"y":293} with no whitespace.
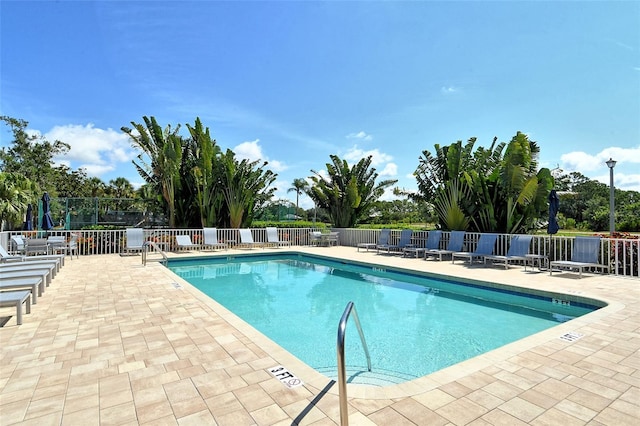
{"x":517,"y":252}
{"x":456,"y":241}
{"x":246,"y":239}
{"x":584,"y":254}
{"x":183,"y":242}
{"x":274,"y":240}
{"x":52,"y":264}
{"x":135,"y":240}
{"x":433,"y":243}
{"x":43,"y":272}
{"x":485,"y":247}
{"x":383,"y":239}
{"x":16,"y":298}
{"x":211,"y":239}
{"x":5,"y":257}
{"x":34,"y":284}
{"x":404,"y":241}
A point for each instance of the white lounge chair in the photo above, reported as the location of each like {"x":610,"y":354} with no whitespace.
{"x":518,"y":250}
{"x":34,"y":284}
{"x":16,"y":298}
{"x":584,"y":255}
{"x":183,"y":242}
{"x":5,"y":257}
{"x":44,"y":273}
{"x":485,"y":247}
{"x":211,"y":239}
{"x":246,"y":239}
{"x":456,"y":241}
{"x":273,"y":239}
{"x":383,"y":239}
{"x":135,"y":240}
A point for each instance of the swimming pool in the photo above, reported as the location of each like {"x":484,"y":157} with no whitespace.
{"x":414,"y":324}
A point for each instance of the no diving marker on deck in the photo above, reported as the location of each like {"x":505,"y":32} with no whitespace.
{"x":571,"y":336}
{"x":286,"y":377}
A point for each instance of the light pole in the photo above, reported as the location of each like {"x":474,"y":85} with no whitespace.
{"x":612,"y":224}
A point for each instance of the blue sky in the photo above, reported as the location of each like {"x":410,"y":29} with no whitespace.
{"x":293,"y":82}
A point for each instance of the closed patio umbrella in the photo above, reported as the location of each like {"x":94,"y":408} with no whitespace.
{"x":47,"y":221}
{"x":28,"y":220}
{"x":554,"y":205}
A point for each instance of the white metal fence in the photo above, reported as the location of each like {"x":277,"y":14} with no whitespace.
{"x":622,"y":255}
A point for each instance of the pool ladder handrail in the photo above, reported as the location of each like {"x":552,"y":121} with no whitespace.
{"x":145,"y":250}
{"x":342,"y":380}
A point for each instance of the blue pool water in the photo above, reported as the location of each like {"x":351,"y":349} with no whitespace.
{"x":413,"y":324}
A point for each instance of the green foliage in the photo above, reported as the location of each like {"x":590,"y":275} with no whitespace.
{"x":16,"y":192}
{"x":161,"y":166}
{"x":348,"y":193}
{"x":293,"y":224}
{"x":300,"y":186}
{"x":482,"y":190}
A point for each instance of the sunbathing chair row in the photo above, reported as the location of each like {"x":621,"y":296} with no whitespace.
{"x":584,"y":251}
{"x":135,"y":240}
{"x":22,"y":282}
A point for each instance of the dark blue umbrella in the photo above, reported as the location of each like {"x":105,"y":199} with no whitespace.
{"x":47,"y":222}
{"x":28,"y":220}
{"x":554,"y":206}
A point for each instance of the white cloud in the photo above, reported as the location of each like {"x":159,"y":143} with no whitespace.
{"x":390,"y":169}
{"x":355,"y":154}
{"x":583,"y":162}
{"x":626,"y":160}
{"x":97,"y":150}
{"x":360,"y":135}
{"x":449,"y":89}
{"x":251,"y":150}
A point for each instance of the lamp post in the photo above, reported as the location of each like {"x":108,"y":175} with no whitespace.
{"x":612,"y":224}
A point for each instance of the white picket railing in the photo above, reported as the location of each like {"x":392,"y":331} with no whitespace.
{"x":622,"y":255}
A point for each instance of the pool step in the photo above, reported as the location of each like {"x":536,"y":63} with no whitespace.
{"x":360,"y":376}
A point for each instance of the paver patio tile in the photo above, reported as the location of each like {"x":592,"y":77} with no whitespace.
{"x":462,"y":411}
{"x":522,"y":409}
{"x":235,"y":418}
{"x":418,"y":413}
{"x":389,"y":416}
{"x":500,"y":418}
{"x":152,"y":354}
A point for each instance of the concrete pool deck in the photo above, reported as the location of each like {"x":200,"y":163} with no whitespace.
{"x":115,"y":342}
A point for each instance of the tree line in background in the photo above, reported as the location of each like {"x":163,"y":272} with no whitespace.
{"x":196,"y":184}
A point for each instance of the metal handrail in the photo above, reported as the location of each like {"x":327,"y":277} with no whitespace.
{"x":342,"y":380}
{"x":145,"y":249}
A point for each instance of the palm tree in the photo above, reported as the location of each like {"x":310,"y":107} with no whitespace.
{"x":164,"y":151}
{"x":204,"y":153}
{"x":300,"y":186}
{"x":16,"y":192}
{"x":246,"y":187}
{"x":348,"y":194}
{"x":482,"y":189}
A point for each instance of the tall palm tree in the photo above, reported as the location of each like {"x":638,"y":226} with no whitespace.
{"x":204,"y":153}
{"x":348,"y":194}
{"x":164,"y":151}
{"x":300,"y":186}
